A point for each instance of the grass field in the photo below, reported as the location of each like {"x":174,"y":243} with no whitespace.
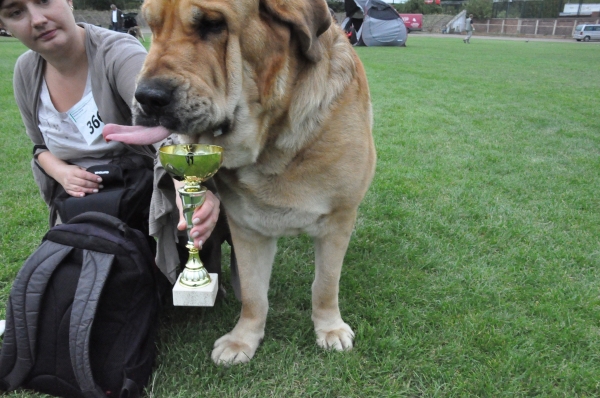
{"x":474,"y":267}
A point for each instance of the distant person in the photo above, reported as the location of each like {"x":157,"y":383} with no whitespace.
{"x":116,"y":18}
{"x":469,"y":28}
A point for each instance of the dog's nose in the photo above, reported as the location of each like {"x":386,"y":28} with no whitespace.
{"x":153,"y":94}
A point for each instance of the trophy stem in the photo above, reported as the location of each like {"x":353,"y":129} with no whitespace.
{"x":194,"y":274}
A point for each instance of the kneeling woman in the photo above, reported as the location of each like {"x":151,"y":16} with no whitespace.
{"x":74,"y":79}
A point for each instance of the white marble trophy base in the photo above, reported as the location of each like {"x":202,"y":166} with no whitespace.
{"x":204,"y":296}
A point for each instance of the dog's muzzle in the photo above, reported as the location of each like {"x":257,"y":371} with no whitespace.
{"x":157,"y":104}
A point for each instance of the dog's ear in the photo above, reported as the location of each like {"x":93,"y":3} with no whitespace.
{"x":308,"y":18}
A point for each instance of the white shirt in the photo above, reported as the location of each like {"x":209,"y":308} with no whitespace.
{"x":65,"y":140}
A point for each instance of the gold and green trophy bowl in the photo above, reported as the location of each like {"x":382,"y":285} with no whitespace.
{"x":193,"y":164}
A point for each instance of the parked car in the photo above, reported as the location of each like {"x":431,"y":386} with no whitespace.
{"x":587,"y":32}
{"x":413,"y":22}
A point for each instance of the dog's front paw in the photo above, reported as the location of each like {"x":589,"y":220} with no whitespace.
{"x":339,"y":338}
{"x":229,"y":350}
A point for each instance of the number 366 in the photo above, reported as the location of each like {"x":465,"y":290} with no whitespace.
{"x":94,"y":123}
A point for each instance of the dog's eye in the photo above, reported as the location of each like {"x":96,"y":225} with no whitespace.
{"x":211,"y":27}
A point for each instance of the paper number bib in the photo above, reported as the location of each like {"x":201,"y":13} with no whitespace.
{"x":87,"y":118}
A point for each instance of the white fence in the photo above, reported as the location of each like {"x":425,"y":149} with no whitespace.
{"x":535,"y":27}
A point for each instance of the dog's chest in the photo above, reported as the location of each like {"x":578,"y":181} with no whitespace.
{"x":271,"y":205}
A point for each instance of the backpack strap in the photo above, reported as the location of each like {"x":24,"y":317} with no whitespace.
{"x":94,"y":272}
{"x":130,"y":388}
{"x":100,"y":218}
{"x":18,"y":348}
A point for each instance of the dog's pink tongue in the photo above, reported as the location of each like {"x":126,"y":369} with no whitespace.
{"x":138,"y":135}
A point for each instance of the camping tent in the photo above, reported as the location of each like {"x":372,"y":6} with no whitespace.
{"x":381,"y":25}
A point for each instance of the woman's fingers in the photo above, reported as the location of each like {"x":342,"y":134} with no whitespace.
{"x":79,"y":182}
{"x":210,"y":208}
{"x":205,"y":219}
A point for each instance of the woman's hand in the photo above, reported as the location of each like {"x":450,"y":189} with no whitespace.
{"x":74,"y":179}
{"x":204,"y":219}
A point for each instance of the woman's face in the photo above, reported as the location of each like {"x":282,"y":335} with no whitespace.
{"x":42,"y":25}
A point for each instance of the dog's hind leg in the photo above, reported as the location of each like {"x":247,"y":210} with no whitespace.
{"x":255,"y":254}
{"x":330,"y":249}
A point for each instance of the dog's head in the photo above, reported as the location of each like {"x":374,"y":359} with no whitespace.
{"x":221,"y":71}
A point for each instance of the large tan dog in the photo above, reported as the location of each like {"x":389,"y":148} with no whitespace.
{"x":280,"y":88}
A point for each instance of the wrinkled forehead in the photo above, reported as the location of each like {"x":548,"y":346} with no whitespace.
{"x":166,"y":12}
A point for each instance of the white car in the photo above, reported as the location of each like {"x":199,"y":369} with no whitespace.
{"x":587,"y":32}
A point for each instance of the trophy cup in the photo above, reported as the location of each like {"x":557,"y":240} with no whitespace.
{"x":193,"y":164}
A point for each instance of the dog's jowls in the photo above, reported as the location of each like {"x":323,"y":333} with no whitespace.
{"x":278,"y":86}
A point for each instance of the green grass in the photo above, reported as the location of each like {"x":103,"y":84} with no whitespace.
{"x":474,"y":267}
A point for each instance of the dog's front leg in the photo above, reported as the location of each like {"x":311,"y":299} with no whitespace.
{"x":255,"y":254}
{"x":330,"y":249}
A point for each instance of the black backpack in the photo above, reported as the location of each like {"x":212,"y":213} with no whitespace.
{"x":82,"y":313}
{"x":127,"y":191}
